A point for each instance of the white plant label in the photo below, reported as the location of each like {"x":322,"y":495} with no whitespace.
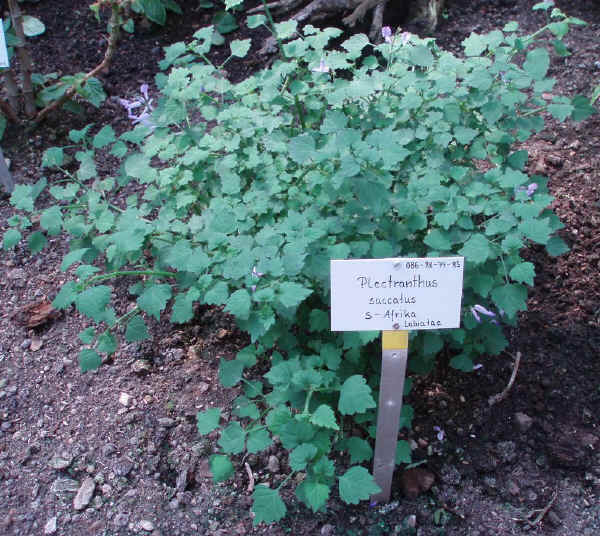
{"x":396,"y":294}
{"x":3,"y":52}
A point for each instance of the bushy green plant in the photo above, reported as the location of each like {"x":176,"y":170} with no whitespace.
{"x":244,"y":192}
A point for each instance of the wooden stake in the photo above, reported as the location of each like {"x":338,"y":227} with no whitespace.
{"x":394,"y":346}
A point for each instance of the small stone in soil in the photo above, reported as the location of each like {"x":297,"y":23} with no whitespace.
{"x":84,"y":494}
{"x":273,"y":464}
{"x":64,"y":485}
{"x":523,"y":421}
{"x":50,"y":526}
{"x":146,"y":525}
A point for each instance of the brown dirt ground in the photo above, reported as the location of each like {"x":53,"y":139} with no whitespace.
{"x":494,"y":469}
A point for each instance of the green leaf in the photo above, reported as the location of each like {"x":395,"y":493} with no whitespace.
{"x":323,"y":416}
{"x":556,"y":246}
{"x":474,"y":45}
{"x":11,"y":238}
{"x":32,"y":26}
{"x":536,"y":63}
{"x":22,"y":197}
{"x":88,"y":335}
{"x":258,"y":441}
{"x":438,"y":240}
{"x":462,"y":362}
{"x":89,"y":360}
{"x":301,"y":455}
{"x":229,"y":4}
{"x":254,"y":21}
{"x":208,"y":420}
{"x":154,"y":299}
{"x":104,"y":136}
{"x":51,"y":220}
{"x":107,"y":343}
{"x":359,"y":449}
{"x":232,"y":438}
{"x":36,"y":242}
{"x":355,"y":396}
{"x":510,"y":298}
{"x":240,"y":47}
{"x":220,"y":467}
{"x":66,"y":295}
{"x":312,"y":493}
{"x":224,"y":22}
{"x":476,"y":249}
{"x":217,"y":295}
{"x":420,"y":55}
{"x":291,"y":294}
{"x":582,"y":108}
{"x":154,"y":10}
{"x":92,"y":302}
{"x":286,"y":29}
{"x":302,"y":148}
{"x":523,"y":273}
{"x":239,"y":304}
{"x":538,"y":230}
{"x":183,"y":310}
{"x":230,"y":372}
{"x":357,"y":484}
{"x":403,"y":452}
{"x":53,"y":157}
{"x":267,"y":505}
{"x":136,"y":330}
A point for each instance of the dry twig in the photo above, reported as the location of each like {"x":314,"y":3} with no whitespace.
{"x":250,"y":478}
{"x":499,"y":397}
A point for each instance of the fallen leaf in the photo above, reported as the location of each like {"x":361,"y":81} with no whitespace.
{"x":38,"y":313}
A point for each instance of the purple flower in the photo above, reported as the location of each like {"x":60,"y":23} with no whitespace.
{"x":405,"y":38}
{"x":256,"y":274}
{"x":531,"y":189}
{"x":440,"y":433}
{"x":322,"y":68}
{"x":477,"y":366}
{"x":476,"y":309}
{"x":142,"y":101}
{"x":386,"y":33}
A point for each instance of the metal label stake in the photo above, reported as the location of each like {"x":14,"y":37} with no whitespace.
{"x":394,"y":351}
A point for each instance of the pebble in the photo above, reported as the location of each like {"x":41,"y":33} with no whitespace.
{"x":123,"y":467}
{"x":166,"y":422}
{"x":146,"y":525}
{"x":273,"y":464}
{"x":513,"y":488}
{"x":64,"y":485}
{"x":124,"y":399}
{"x":108,"y":449}
{"x":141,"y":366}
{"x":60,"y":461}
{"x":25,"y":344}
{"x":523,"y":421}
{"x":50,"y":526}
{"x":121,"y":520}
{"x":84,"y":494}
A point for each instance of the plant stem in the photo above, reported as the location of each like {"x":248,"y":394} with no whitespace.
{"x":272,"y":24}
{"x":24,"y":57}
{"x":119,"y":273}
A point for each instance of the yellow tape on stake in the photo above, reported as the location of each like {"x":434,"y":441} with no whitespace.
{"x":391,"y":340}
{"x":394,"y":355}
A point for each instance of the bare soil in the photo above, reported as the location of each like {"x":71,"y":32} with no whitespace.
{"x":527,"y":464}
